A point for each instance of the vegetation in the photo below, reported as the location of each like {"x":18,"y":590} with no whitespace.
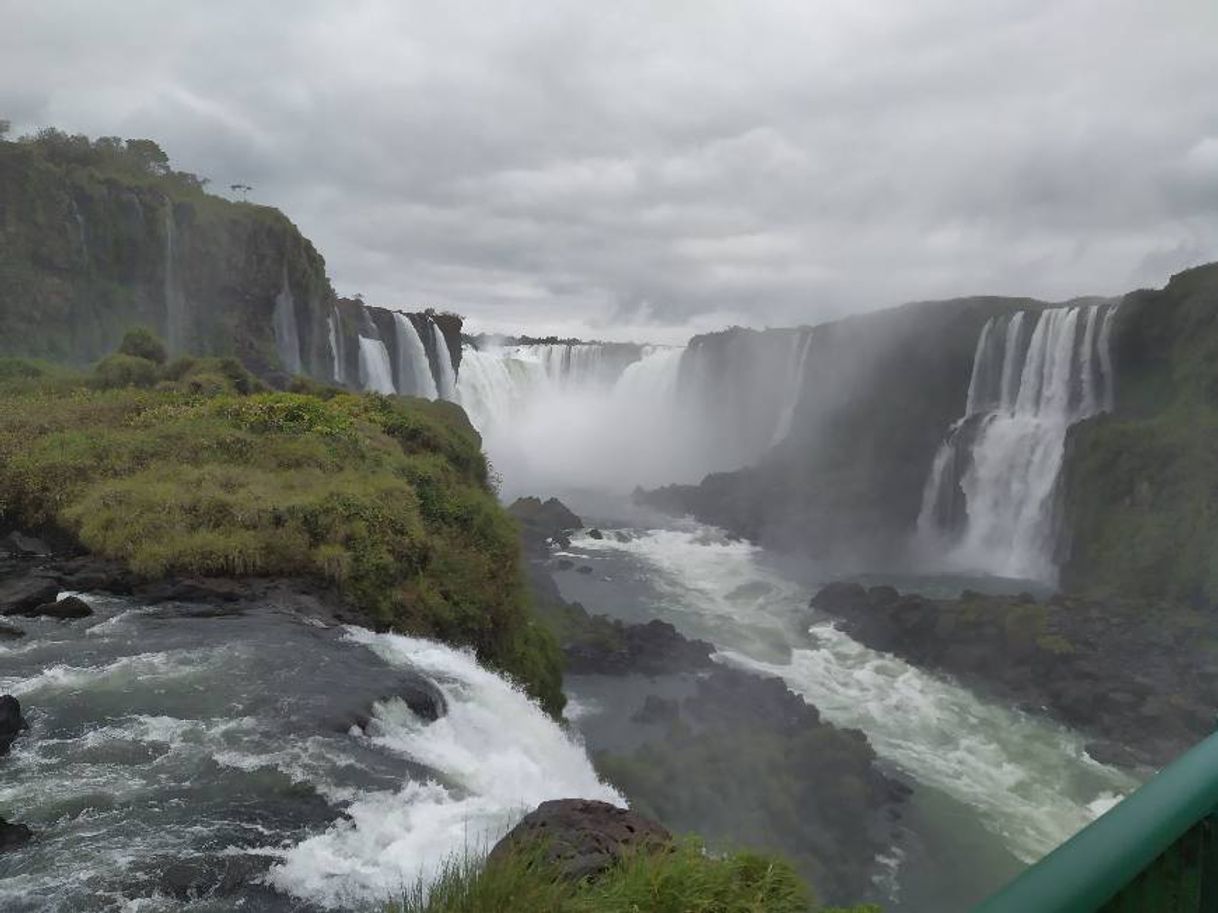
{"x":685,"y":880}
{"x":192,"y":467}
{"x":1140,"y":487}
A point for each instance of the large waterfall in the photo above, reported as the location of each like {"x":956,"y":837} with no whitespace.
{"x":414,"y":372}
{"x":446,"y":374}
{"x":989,"y":502}
{"x":375,"y":371}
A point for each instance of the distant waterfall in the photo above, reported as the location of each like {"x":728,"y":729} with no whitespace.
{"x":414,"y":372}
{"x":375,"y":371}
{"x":175,"y":300}
{"x":989,"y":501}
{"x":336,"y":348}
{"x":283,"y":322}
{"x":801,"y":346}
{"x":447,"y":382}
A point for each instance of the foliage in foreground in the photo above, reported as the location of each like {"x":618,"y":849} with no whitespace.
{"x":685,"y":880}
{"x":193,"y":468}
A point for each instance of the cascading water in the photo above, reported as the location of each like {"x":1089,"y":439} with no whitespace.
{"x":446,"y":383}
{"x":801,"y":346}
{"x":989,"y":501}
{"x":175,"y":299}
{"x":414,"y":372}
{"x":283,"y":322}
{"x":375,"y":371}
{"x":336,"y":348}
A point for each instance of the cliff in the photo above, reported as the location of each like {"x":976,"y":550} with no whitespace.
{"x":1140,"y":486}
{"x":98,"y":236}
{"x":876,"y":393}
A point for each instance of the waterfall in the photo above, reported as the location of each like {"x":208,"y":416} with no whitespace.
{"x":990,"y":497}
{"x":447,"y":382}
{"x":175,"y":300}
{"x":414,"y":370}
{"x":375,"y":371}
{"x":798,"y":360}
{"x":336,"y":347}
{"x":283,"y":322}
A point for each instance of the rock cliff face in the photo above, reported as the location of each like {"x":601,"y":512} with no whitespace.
{"x":875,"y":396}
{"x":88,"y":250}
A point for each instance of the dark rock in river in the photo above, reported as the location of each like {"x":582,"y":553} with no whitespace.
{"x":8,"y":631}
{"x":583,"y":569}
{"x":13,"y":836}
{"x":17,"y":543}
{"x":12,"y":723}
{"x":21,"y":595}
{"x":582,"y":838}
{"x":613,"y":648}
{"x":68,"y":607}
{"x":596,"y":534}
{"x":542,"y":521}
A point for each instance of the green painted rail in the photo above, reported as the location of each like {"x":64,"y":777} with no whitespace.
{"x":1154,"y":852}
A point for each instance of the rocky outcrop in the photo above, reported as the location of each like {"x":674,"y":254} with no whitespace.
{"x":12,"y":723}
{"x":1140,"y":680}
{"x":63,"y":609}
{"x":543,"y":522}
{"x":13,"y":836}
{"x":581,"y":838}
{"x":611,"y":647}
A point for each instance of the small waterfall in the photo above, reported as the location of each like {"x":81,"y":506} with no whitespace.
{"x":414,"y":370}
{"x":798,"y":360}
{"x":375,"y":371}
{"x":175,"y":299}
{"x":336,"y":347}
{"x":989,"y":500}
{"x":283,"y":322}
{"x":447,"y":382}
{"x":82,"y":237}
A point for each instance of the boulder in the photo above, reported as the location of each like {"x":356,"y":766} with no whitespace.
{"x":840,"y":598}
{"x":596,"y":534}
{"x":17,"y":543}
{"x":13,"y":836}
{"x":9,"y":632}
{"x":68,"y":607}
{"x":544,"y":520}
{"x":20,"y":595}
{"x":11,"y":722}
{"x":582,"y":838}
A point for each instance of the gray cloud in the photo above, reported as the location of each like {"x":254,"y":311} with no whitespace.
{"x":645,"y":169}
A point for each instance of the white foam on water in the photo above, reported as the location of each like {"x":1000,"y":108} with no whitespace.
{"x":496,"y":756}
{"x":144,"y":667}
{"x":1030,"y":780}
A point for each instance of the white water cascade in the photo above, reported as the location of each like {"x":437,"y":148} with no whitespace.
{"x":989,"y":502}
{"x":336,"y":348}
{"x":447,"y":381}
{"x":175,"y":299}
{"x":287,"y":336}
{"x":375,"y":371}
{"x":414,"y":372}
{"x":801,"y":347}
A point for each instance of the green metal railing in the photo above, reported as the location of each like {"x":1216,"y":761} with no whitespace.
{"x":1155,"y":852}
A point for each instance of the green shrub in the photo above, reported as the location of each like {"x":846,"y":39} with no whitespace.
{"x":685,"y":880}
{"x":140,"y":342}
{"x":121,"y":370}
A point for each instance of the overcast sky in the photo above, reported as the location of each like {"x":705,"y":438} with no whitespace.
{"x":643,"y":169}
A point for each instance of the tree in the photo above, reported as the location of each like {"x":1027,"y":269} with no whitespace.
{"x":242,"y":189}
{"x":141,"y":342}
{"x":148,"y":156}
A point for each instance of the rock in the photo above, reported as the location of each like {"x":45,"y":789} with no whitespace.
{"x":621,"y":537}
{"x":565,"y":564}
{"x":840,"y":598}
{"x":544,"y":520}
{"x":583,"y":569}
{"x":68,"y":607}
{"x":13,"y":836}
{"x":12,"y":723}
{"x":582,"y":838}
{"x":656,"y":648}
{"x":17,"y":543}
{"x":595,"y":534}
{"x":18,"y":596}
{"x":8,"y":631}
{"x":194,"y":589}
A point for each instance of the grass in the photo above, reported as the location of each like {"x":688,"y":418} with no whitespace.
{"x":684,"y":880}
{"x":194,"y":468}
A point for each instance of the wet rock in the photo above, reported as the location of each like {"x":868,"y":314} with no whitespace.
{"x":194,"y":589}
{"x":21,"y":595}
{"x":582,"y":838}
{"x":12,"y":723}
{"x":17,"y":543}
{"x":66,"y":608}
{"x":9,"y":632}
{"x":565,"y":564}
{"x":621,"y":537}
{"x":542,"y":521}
{"x":656,"y":648}
{"x":13,"y":836}
{"x":595,"y":534}
{"x":841,"y":598}
{"x":583,"y":569}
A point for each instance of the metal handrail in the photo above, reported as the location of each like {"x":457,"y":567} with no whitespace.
{"x":1101,"y":862}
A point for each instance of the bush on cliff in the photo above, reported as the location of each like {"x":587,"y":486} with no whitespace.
{"x":685,"y":880}
{"x":387,"y":499}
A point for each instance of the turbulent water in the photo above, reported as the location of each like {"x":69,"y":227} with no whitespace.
{"x":1027,"y":781}
{"x":989,"y":501}
{"x":263,"y":745}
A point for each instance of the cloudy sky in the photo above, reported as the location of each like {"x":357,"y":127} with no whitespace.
{"x":644,"y":169}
